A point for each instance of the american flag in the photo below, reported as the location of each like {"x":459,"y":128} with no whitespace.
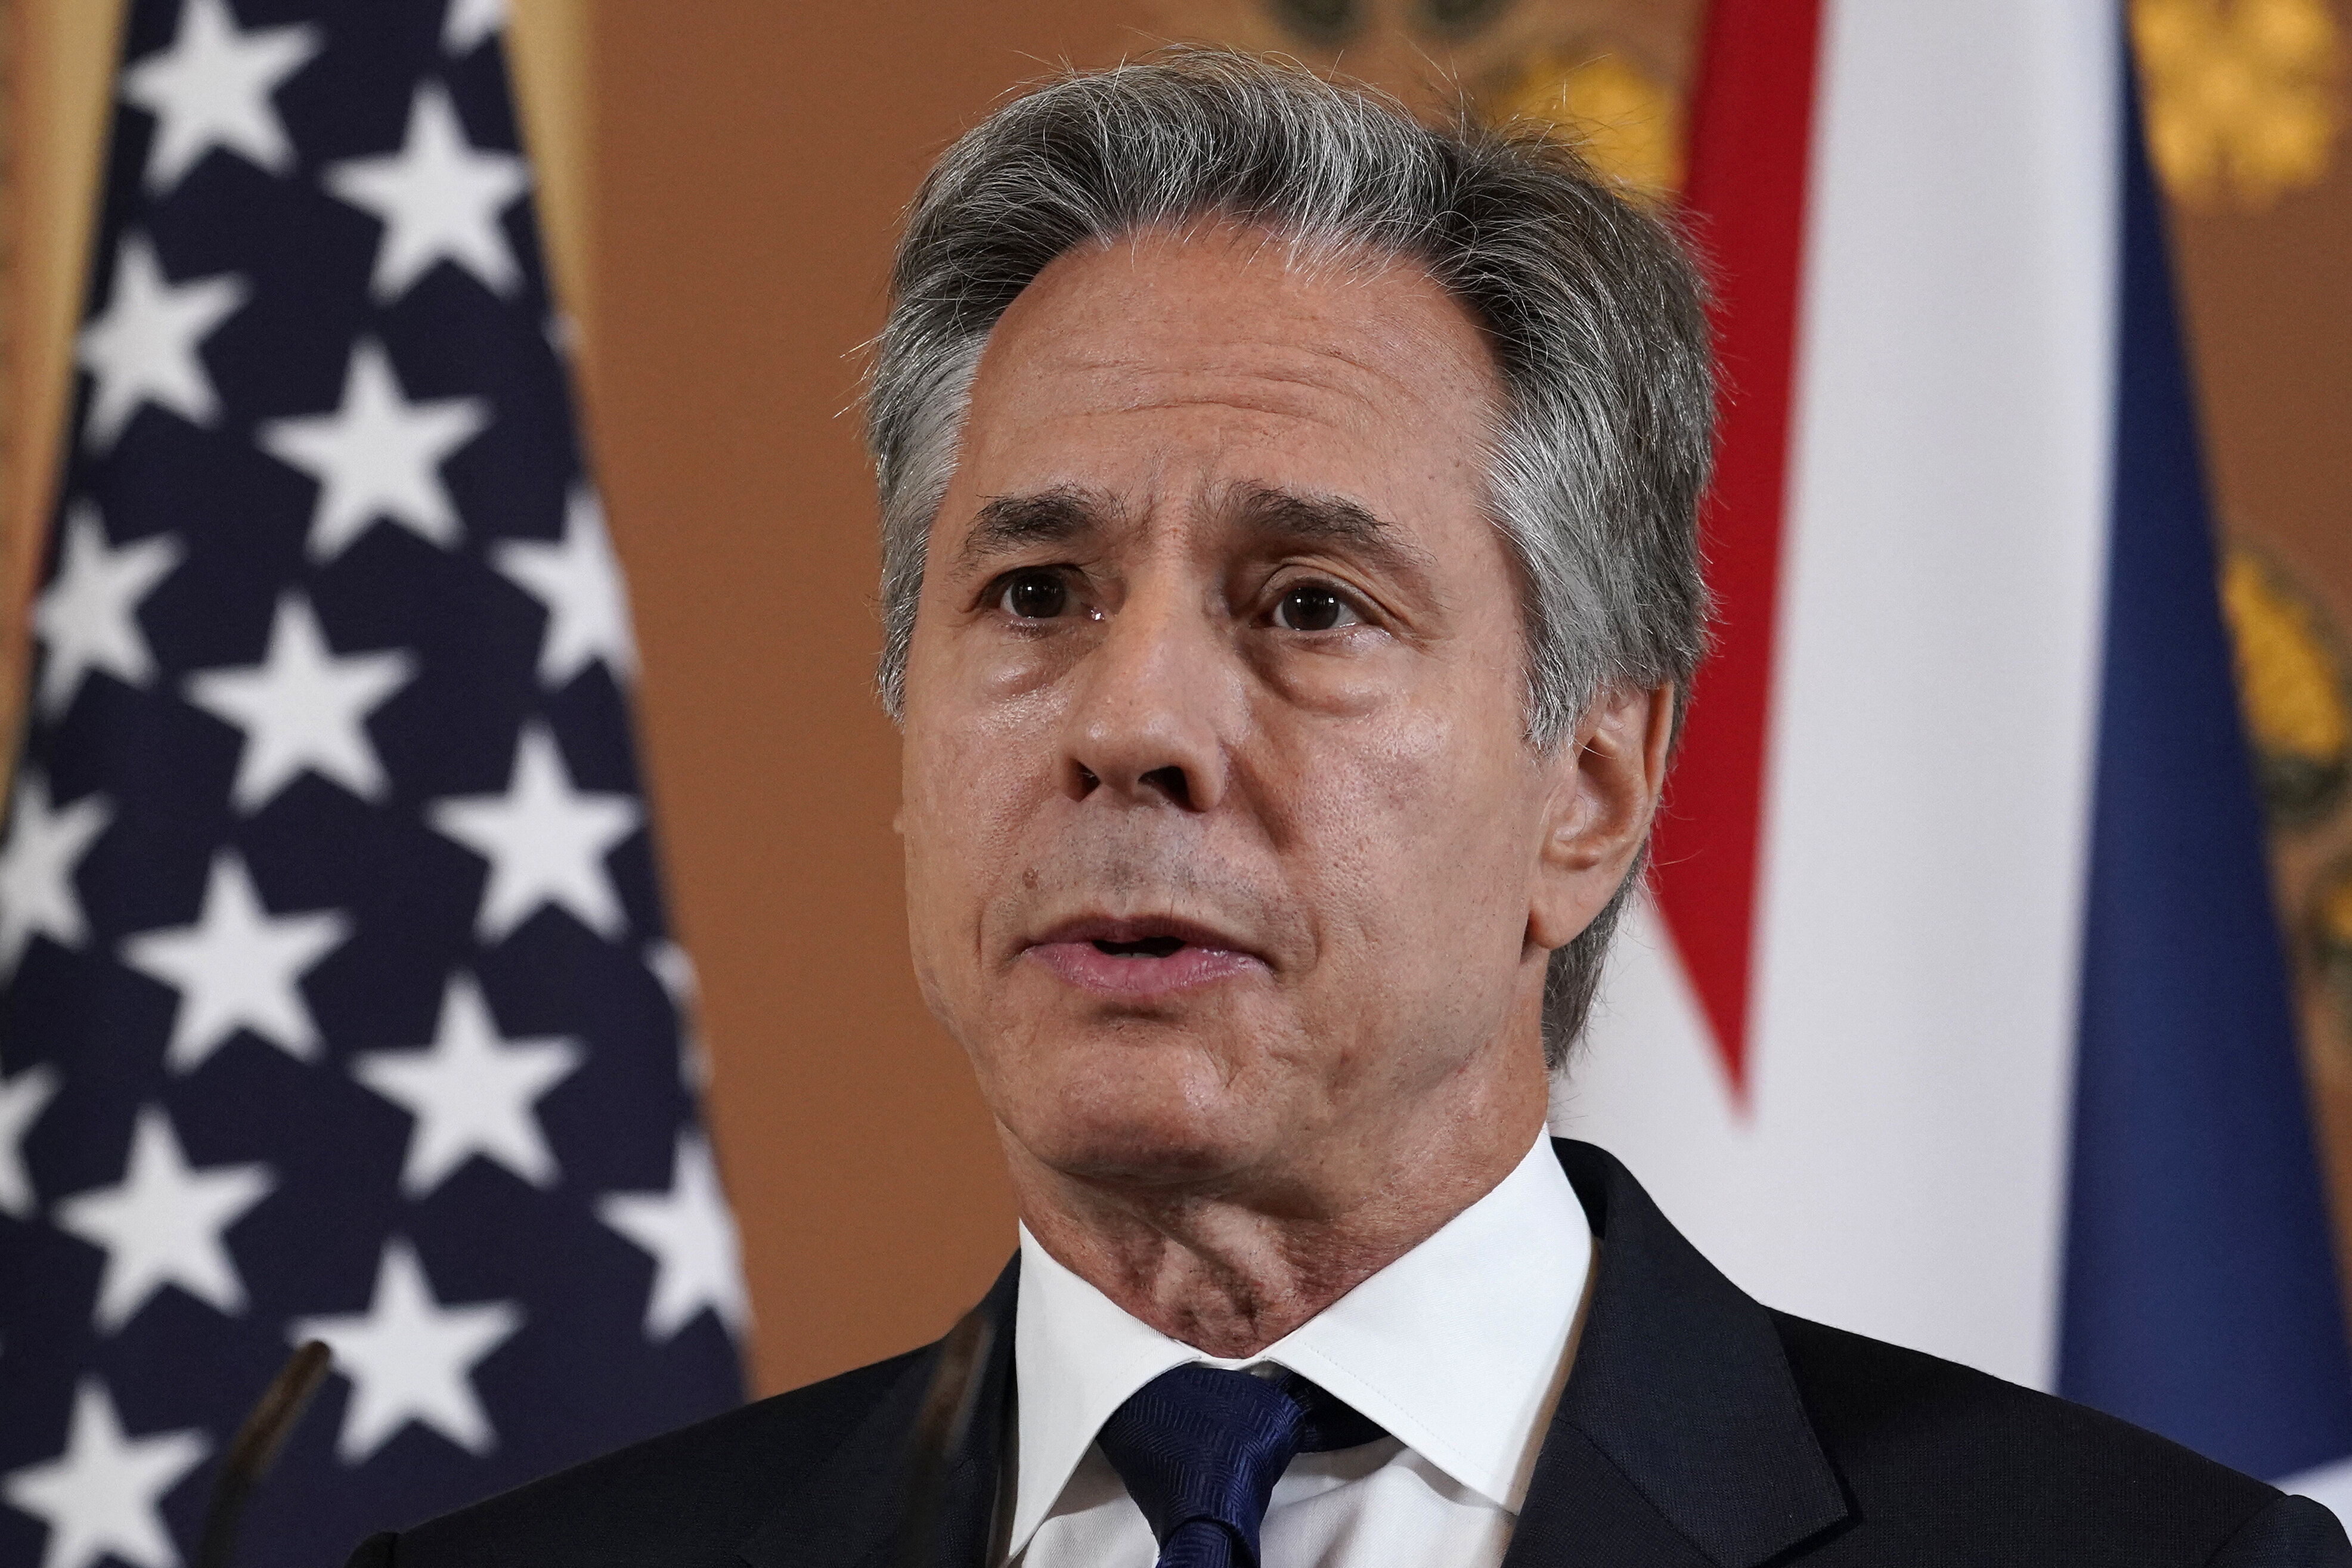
{"x":336,"y":996}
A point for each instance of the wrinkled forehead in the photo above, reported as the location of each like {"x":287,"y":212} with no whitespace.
{"x":1171,"y":343}
{"x":1229,"y":311}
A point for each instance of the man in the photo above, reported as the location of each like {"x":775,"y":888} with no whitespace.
{"x":1291,"y":590}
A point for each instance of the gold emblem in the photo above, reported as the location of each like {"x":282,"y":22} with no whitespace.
{"x":2245,"y":97}
{"x":1624,"y":120}
{"x":2291,"y":687}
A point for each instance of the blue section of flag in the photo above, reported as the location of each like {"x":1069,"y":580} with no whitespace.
{"x":335,"y":991}
{"x":2201,"y":1295}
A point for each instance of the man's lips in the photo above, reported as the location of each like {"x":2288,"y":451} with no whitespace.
{"x":1141,"y":957}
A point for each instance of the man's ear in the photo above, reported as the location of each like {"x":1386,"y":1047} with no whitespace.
{"x":1606,"y":777}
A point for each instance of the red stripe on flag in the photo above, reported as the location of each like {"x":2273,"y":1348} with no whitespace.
{"x":1751,"y":126}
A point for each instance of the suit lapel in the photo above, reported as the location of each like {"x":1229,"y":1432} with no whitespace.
{"x":844,"y":1514}
{"x":1680,"y":1439}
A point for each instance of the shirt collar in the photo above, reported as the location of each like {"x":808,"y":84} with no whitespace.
{"x":1458,"y":1347}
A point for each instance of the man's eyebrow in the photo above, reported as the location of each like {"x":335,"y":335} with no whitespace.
{"x":1309,"y":517}
{"x":1007,"y":523}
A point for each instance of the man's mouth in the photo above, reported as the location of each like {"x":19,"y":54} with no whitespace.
{"x":1150,"y":947}
{"x":1141,"y":957}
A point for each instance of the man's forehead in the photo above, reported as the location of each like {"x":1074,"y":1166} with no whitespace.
{"x":1199,"y":315}
{"x":1207,"y":378}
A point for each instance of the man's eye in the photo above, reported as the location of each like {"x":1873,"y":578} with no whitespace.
{"x":1313,"y":608}
{"x":1034,"y":596}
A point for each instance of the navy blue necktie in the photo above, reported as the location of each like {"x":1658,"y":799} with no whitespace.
{"x":1200,"y":1450}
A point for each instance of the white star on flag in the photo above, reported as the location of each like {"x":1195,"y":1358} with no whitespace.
{"x":87,"y":617}
{"x":440,"y":199}
{"x":237,"y":967}
{"x":303,"y":707}
{"x":211,"y":88}
{"x":469,"y":22}
{"x":162,"y":1224}
{"x":673,"y":968}
{"x":409,"y":1358}
{"x":22,"y":1101}
{"x":378,"y":455}
{"x":472,"y":1092}
{"x":545,"y":841}
{"x":143,"y":349}
{"x":579,"y":581}
{"x":697,"y":1261}
{"x":104,"y":1494}
{"x":45,"y":846}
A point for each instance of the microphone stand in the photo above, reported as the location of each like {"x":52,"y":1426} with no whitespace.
{"x":256,"y":1447}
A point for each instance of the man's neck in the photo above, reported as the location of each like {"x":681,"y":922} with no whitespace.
{"x":1230,"y":1266}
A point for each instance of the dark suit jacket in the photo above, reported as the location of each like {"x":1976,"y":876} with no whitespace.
{"x":1697,"y":1430}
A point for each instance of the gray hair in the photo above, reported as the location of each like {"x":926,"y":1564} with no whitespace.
{"x":1593,"y":311}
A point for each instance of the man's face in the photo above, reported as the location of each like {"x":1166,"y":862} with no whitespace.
{"x":1222,"y":833}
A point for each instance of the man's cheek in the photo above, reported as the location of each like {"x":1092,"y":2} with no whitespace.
{"x":970,"y":804}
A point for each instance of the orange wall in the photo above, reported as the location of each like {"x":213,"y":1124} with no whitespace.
{"x":750,"y":159}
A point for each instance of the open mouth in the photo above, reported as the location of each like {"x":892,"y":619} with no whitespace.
{"x":1139,"y":958}
{"x":1150,"y":947}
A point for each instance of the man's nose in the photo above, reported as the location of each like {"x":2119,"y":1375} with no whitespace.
{"x":1153,"y":712}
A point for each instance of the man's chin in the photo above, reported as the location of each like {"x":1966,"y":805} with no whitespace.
{"x":1181,"y":1095}
{"x":1147,"y":1140}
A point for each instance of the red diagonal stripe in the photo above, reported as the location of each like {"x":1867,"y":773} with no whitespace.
{"x":1751,"y":126}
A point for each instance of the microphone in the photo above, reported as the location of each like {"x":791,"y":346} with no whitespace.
{"x":256,"y":1447}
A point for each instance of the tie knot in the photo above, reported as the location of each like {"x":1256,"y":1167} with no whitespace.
{"x":1200,"y":1450}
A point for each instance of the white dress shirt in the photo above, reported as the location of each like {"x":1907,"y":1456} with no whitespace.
{"x":1459,"y":1350}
